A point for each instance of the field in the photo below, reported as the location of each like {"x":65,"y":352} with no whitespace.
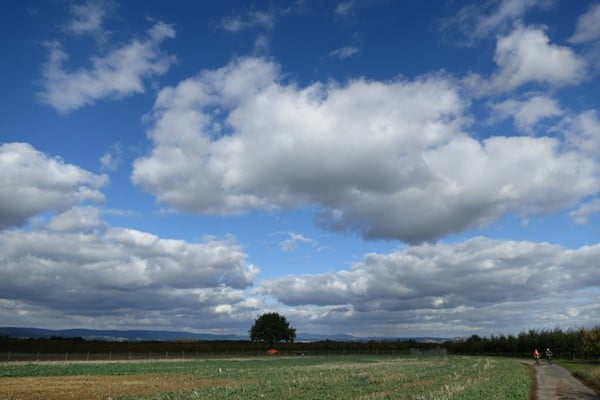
{"x":302,"y":377}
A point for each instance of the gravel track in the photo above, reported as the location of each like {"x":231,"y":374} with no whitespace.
{"x":556,"y":383}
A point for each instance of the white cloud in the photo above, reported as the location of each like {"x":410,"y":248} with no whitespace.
{"x":470,"y":283}
{"x":506,"y":12}
{"x":261,"y":45}
{"x":119,"y":73}
{"x":527,"y":56}
{"x":345,"y":8}
{"x":582,"y":214}
{"x":385,"y":159}
{"x":73,"y":270}
{"x":88,"y":17}
{"x":249,"y":20}
{"x":583,"y":132}
{"x":82,"y":218}
{"x":588,"y":26}
{"x":344,"y":52}
{"x":111,"y":159}
{"x":526,"y":113}
{"x":32,"y":182}
{"x":482,"y":19}
{"x":294,"y":240}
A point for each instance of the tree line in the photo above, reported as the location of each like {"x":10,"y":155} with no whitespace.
{"x":573,"y":343}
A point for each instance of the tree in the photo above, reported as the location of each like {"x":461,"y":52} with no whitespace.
{"x":591,"y":342}
{"x":271,"y":328}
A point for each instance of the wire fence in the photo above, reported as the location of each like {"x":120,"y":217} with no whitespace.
{"x":114,"y":356}
{"x":10,"y":356}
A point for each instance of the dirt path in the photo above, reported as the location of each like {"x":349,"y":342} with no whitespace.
{"x":556,"y":383}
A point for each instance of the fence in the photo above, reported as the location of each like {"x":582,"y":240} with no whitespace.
{"x":114,"y":356}
{"x":10,"y":356}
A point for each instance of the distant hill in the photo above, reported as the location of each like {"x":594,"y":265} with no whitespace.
{"x":113,"y":335}
{"x":150,"y":335}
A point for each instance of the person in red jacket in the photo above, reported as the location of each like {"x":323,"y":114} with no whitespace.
{"x":536,"y":356}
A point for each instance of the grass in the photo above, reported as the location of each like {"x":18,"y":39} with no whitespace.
{"x":321,"y":377}
{"x":588,"y":372}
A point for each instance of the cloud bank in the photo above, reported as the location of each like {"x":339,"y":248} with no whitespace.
{"x":32,"y":182}
{"x":392,"y":160}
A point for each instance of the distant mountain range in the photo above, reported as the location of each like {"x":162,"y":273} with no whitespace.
{"x":149,"y":335}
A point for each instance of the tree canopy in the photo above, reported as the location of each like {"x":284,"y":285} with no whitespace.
{"x":271,"y":328}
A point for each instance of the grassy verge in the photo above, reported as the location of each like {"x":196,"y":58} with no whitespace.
{"x":588,"y":372}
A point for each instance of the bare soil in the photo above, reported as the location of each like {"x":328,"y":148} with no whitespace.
{"x":97,"y":387}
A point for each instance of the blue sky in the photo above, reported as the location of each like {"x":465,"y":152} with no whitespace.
{"x":363,"y":167}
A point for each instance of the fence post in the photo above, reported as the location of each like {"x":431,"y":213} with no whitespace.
{"x":8,"y":356}
{"x":66,"y":356}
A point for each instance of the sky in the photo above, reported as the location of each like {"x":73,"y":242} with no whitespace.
{"x":366,"y":167}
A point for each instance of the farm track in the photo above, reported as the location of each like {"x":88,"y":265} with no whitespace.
{"x":556,"y":383}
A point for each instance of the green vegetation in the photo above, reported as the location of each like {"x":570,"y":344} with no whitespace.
{"x":320,"y":377}
{"x":16,"y":370}
{"x":271,"y":328}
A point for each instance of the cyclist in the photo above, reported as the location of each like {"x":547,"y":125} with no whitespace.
{"x":536,"y":356}
{"x":549,"y":355}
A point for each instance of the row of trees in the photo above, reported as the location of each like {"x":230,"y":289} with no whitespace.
{"x":572,"y":343}
{"x":272,"y":329}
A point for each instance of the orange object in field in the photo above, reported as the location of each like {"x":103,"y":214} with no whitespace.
{"x":272,"y":352}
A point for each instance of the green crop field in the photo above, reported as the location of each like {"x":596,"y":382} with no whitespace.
{"x":310,"y":377}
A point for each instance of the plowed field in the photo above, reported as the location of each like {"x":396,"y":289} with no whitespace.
{"x":97,"y":387}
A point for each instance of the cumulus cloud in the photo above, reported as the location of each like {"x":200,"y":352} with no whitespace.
{"x":81,"y":218}
{"x":33,"y":182}
{"x":70,"y":268}
{"x":527,"y":56}
{"x":119,"y":73}
{"x":526,"y":113}
{"x":460,"y":285}
{"x":384,"y":159}
{"x":583,"y":132}
{"x":588,"y":26}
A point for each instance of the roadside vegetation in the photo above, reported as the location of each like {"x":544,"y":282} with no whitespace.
{"x":586,"y":371}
